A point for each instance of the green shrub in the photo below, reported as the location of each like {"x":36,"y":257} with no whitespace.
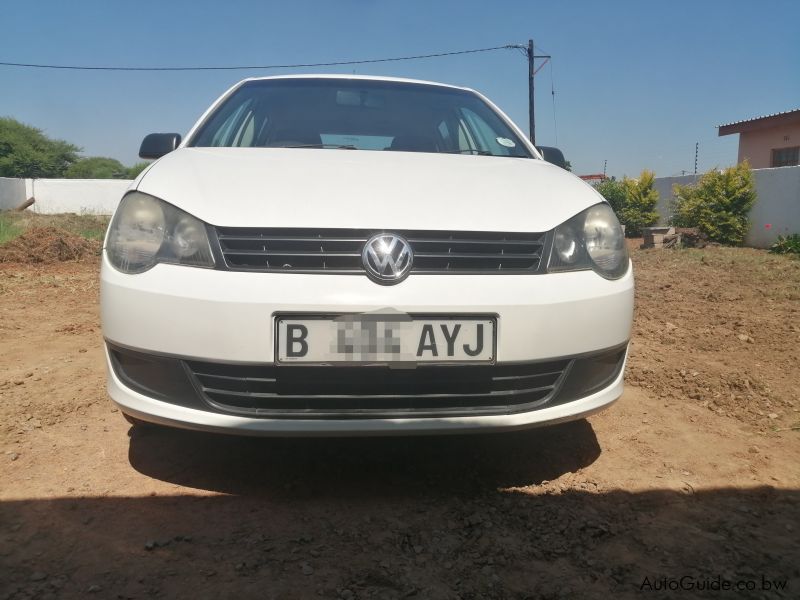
{"x":640,"y":203}
{"x":613,"y":191}
{"x":789,"y":244}
{"x":633,"y":200}
{"x":718,"y":204}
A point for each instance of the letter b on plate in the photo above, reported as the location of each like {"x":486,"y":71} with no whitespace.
{"x":296,"y":344}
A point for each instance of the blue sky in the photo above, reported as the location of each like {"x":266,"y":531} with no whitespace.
{"x":637,"y":83}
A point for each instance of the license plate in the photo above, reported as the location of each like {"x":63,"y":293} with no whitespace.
{"x":394,"y":338}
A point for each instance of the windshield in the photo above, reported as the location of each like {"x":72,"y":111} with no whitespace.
{"x":358,"y":115}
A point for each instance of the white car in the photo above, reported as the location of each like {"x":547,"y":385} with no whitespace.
{"x":343,"y":255}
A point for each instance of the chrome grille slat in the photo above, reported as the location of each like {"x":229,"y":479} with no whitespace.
{"x":428,"y":390}
{"x":302,"y":250}
{"x":492,"y":394}
{"x":321,"y":254}
{"x":518,"y":377}
{"x":487,"y":256}
{"x":273,"y":238}
{"x":228,"y":377}
{"x":470,"y":241}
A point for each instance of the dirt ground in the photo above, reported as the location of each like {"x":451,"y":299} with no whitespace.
{"x":691,"y":480}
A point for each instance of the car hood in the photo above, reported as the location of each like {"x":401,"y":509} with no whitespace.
{"x":292,"y":187}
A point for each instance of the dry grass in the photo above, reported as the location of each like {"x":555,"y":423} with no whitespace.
{"x":28,"y":237}
{"x":13,"y":224}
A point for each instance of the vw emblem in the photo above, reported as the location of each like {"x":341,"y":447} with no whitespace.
{"x":387,"y":258}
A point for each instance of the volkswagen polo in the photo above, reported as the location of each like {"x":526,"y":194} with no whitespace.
{"x":342,"y":255}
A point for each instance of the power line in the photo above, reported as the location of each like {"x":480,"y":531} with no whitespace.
{"x":527,"y":50}
{"x":259,"y":67}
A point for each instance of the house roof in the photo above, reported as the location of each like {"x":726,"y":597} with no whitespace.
{"x":773,"y":120}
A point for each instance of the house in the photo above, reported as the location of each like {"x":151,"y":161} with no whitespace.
{"x":598,"y":177}
{"x":768,"y":141}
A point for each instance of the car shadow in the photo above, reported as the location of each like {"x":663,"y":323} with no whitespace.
{"x":504,"y":544}
{"x":342,"y":467}
{"x":414,"y":517}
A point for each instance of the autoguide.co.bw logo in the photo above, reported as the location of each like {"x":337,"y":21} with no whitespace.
{"x":688,"y":583}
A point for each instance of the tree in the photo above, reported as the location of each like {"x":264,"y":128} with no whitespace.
{"x":133,"y":172}
{"x":96,"y":167}
{"x":26,"y":152}
{"x":641,"y":198}
{"x":719,"y":204}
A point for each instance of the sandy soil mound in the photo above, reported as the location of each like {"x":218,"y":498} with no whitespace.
{"x":719,"y":328}
{"x":48,"y":245}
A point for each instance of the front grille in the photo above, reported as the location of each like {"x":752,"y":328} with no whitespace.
{"x":348,"y":392}
{"x":339,"y":250}
{"x":293,"y":392}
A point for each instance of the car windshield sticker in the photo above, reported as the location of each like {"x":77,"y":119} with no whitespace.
{"x":506,"y":142}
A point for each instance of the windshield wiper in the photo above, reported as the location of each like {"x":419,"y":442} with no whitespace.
{"x":469,"y":151}
{"x":336,"y":146}
{"x":484,"y":153}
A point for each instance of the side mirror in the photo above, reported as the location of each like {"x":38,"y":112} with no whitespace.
{"x":157,"y":145}
{"x":553,"y":155}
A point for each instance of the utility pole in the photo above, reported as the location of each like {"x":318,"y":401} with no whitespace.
{"x":531,"y":98}
{"x":529,"y":52}
{"x":605,"y":164}
{"x":696,"y":149}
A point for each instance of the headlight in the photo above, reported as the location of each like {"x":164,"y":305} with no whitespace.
{"x":146,"y":231}
{"x":592,"y":239}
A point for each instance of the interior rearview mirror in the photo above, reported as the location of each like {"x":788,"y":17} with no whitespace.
{"x":361,"y":98}
{"x":157,"y":145}
{"x":553,"y":155}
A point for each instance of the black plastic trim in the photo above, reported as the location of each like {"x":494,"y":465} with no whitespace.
{"x":576,"y":379}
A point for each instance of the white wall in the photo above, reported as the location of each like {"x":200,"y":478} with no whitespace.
{"x":12,"y":193}
{"x":776,"y":211}
{"x":93,"y":196}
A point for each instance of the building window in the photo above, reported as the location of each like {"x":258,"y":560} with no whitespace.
{"x":786,"y":157}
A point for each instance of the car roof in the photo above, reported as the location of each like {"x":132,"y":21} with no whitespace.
{"x":359,"y":77}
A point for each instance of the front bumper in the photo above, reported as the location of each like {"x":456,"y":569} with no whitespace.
{"x":221,"y":317}
{"x":147,"y":408}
